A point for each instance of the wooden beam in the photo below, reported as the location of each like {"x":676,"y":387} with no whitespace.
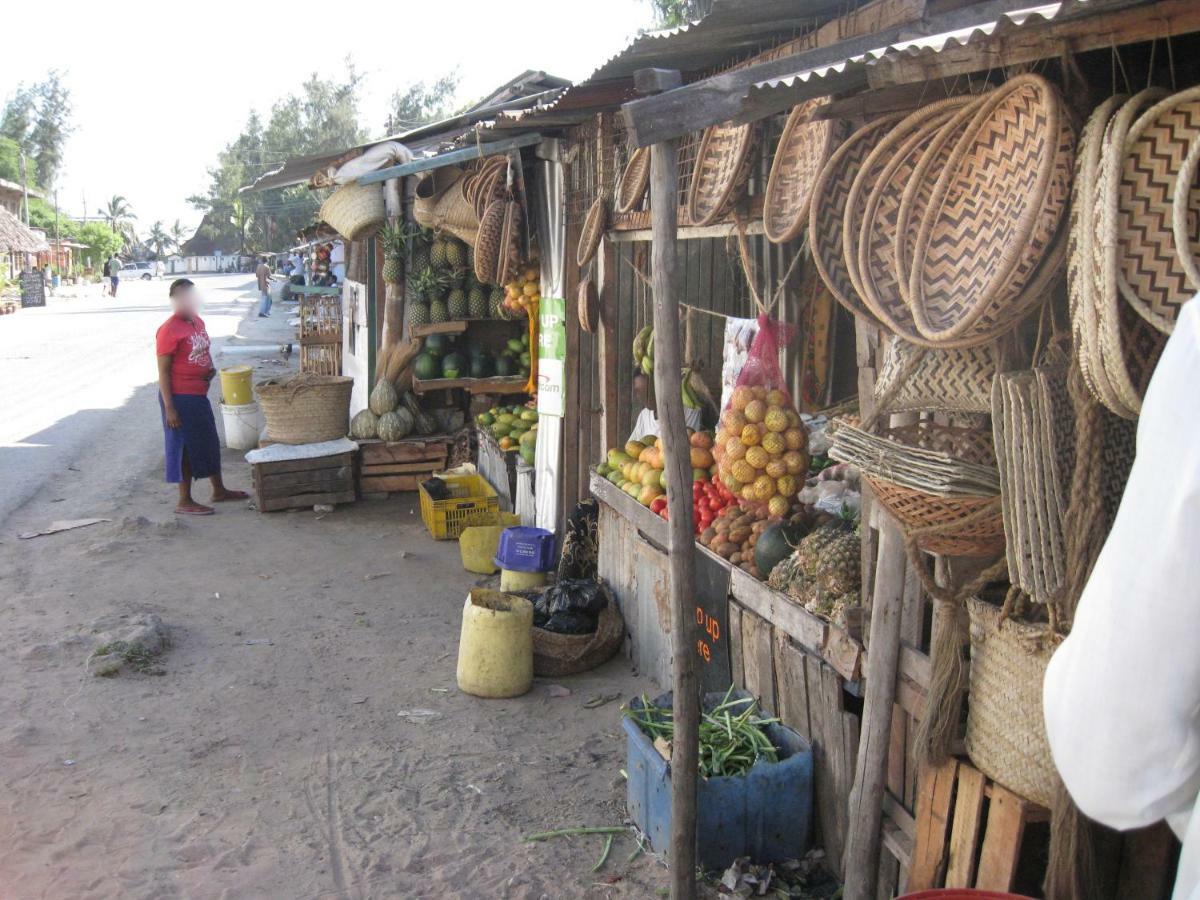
{"x":866,"y":799}
{"x":475,"y":151}
{"x":655,"y":81}
{"x":664,"y":180}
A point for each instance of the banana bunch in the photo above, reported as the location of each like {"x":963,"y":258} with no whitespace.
{"x":643,"y":350}
{"x":690,"y":400}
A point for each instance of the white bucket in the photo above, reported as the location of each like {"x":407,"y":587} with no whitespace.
{"x":242,"y":425}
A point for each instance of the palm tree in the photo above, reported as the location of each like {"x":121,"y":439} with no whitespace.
{"x":178,"y":234}
{"x":119,"y":215}
{"x":158,"y":239}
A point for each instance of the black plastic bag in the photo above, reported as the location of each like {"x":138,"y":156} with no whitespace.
{"x":570,"y":621}
{"x":575,"y":594}
{"x":436,"y":489}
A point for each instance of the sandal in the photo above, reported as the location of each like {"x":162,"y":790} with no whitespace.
{"x":231,"y":495}
{"x":196,"y":509}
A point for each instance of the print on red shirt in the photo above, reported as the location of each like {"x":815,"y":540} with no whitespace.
{"x":187,"y":343}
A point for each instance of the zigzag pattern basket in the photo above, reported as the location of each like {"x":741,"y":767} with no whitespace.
{"x":915,"y":379}
{"x":803,"y":148}
{"x":722,"y":167}
{"x":918,"y":510}
{"x":634,"y":181}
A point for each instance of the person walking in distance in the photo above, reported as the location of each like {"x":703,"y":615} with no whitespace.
{"x":263,"y":274}
{"x":114,"y":277}
{"x":185,"y":370}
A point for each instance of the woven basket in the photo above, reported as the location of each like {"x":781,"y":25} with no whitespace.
{"x":1006,"y":732}
{"x":914,"y":510}
{"x":1183,"y":214}
{"x":489,"y":183}
{"x":826,"y":212}
{"x":1149,"y":273}
{"x":588,"y":306}
{"x":802,"y":150}
{"x":354,"y":210}
{"x":1129,"y":346}
{"x":510,"y":243}
{"x":306,"y":409}
{"x":429,"y":190}
{"x":592,"y":232}
{"x":722,"y":167}
{"x":869,"y":229}
{"x":993,"y":212}
{"x":634,"y":181}
{"x":487,"y":242}
{"x":914,"y":379}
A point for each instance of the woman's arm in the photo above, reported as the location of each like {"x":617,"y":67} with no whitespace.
{"x":164,"y":389}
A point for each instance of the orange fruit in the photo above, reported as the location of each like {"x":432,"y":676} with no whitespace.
{"x":760,"y":392}
{"x":743,"y":471}
{"x":750,"y":435}
{"x":733,"y":420}
{"x":735,"y":449}
{"x":757,"y":457}
{"x":778,"y":506}
{"x":764,"y":487}
{"x":775,"y":419}
{"x":794,"y":437}
{"x":773,"y":443}
{"x":732,"y":483}
{"x":776,"y":468}
{"x":795,"y":461}
{"x":755,"y":411}
{"x":786,"y":485}
{"x":793,"y":418}
{"x":741,"y":396}
{"x":777,"y":398}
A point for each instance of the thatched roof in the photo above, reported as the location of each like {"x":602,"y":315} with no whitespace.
{"x":16,"y":238}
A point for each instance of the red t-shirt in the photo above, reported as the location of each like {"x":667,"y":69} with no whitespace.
{"x":187,"y":343}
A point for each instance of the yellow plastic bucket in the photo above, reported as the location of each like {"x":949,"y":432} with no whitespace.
{"x":495,"y":649}
{"x":236,"y":386}
{"x":511,"y":580}
{"x":477,"y":544}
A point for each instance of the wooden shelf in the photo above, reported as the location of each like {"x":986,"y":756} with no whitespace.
{"x":509,"y":385}
{"x":456,"y":327}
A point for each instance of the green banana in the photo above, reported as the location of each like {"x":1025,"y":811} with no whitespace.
{"x":647,"y":365}
{"x":689,"y":399}
{"x":650,"y":346}
{"x":640,"y":342}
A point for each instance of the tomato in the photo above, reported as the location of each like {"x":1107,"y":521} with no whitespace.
{"x":658,"y":504}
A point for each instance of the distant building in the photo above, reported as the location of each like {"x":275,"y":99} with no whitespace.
{"x":12,"y":194}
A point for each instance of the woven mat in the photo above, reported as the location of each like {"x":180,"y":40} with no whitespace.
{"x":916,"y":379}
{"x":895,"y":457}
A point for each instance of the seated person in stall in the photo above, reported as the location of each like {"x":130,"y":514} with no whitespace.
{"x":647,"y":422}
{"x":185,"y":370}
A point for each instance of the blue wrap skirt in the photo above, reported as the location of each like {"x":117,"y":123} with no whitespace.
{"x":196,"y":435}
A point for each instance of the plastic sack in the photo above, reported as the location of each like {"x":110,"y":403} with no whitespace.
{"x":570,"y":607}
{"x":762,"y":444}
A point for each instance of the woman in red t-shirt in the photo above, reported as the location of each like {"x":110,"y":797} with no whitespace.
{"x":185,"y":369}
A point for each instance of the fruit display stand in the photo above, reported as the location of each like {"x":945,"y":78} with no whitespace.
{"x":509,"y":385}
{"x":395,"y":466}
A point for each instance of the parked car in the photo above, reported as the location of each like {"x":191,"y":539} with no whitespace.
{"x":142,"y":270}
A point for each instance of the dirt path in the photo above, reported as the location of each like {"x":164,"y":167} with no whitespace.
{"x":271,"y":760}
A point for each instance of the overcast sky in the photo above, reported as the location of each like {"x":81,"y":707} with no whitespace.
{"x":157,"y":91}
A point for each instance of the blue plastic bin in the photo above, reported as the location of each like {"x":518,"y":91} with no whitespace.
{"x":526,"y":549}
{"x":765,"y":814}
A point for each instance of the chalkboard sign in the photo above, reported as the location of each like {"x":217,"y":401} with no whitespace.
{"x":711,"y":609}
{"x":33,"y":290}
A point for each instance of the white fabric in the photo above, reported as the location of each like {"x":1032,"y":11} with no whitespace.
{"x":1122,"y":693}
{"x":552,"y":235}
{"x":647,"y":423}
{"x":739,"y":335}
{"x":280,"y":452}
{"x":389,"y":153}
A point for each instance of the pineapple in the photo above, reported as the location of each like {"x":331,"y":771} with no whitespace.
{"x":456,"y":254}
{"x":418,"y":312}
{"x":438,"y":312}
{"x":840,"y":569}
{"x":394,"y":239}
{"x":456,"y":303}
{"x":420,"y":257}
{"x":495,"y":297}
{"x":811,"y":547}
{"x":437,"y":253}
{"x":477,"y":302}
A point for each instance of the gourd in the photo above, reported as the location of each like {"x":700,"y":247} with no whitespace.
{"x":425,"y":423}
{"x":394,"y":426}
{"x":383,"y":398}
{"x":364,"y":425}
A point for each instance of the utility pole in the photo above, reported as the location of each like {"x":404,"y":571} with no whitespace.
{"x":25,"y":185}
{"x":56,"y":214}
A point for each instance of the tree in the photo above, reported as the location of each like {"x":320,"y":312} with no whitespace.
{"x":19,"y":113}
{"x":421,"y":103}
{"x":178,"y":234}
{"x":10,"y":159}
{"x":673,"y":13}
{"x":157,"y":239}
{"x":100,"y":241}
{"x":119,"y":216}
{"x":51,"y":129}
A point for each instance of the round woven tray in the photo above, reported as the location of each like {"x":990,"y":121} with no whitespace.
{"x":994,"y":210}
{"x":869,"y":229}
{"x":634,"y":181}
{"x":1129,"y":345}
{"x":1006,"y":731}
{"x":722,"y":166}
{"x":913,"y":509}
{"x":1183,"y":211}
{"x":1081,"y":286}
{"x":827,"y":208}
{"x":489,"y":182}
{"x":306,"y":409}
{"x":802,"y":150}
{"x":588,"y":306}
{"x":592,"y":233}
{"x":509,"y":257}
{"x":1149,"y":273}
{"x":487,"y":243}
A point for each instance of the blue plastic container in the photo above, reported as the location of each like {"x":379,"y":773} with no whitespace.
{"x":765,"y":814}
{"x":526,"y":549}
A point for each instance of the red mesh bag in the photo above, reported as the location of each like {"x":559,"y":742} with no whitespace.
{"x":761,"y":444}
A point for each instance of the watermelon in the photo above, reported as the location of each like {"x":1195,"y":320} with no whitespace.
{"x":453,"y":365}
{"x":776,"y":544}
{"x":481,"y":367}
{"x":426,"y":366}
{"x":436,"y":344}
{"x":504,"y":366}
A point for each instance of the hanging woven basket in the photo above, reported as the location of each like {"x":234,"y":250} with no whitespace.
{"x":510,"y":243}
{"x":488,"y":242}
{"x":803,"y":148}
{"x":354,"y":210}
{"x":593,"y":232}
{"x":588,"y":306}
{"x":915,"y":379}
{"x":634,"y":181}
{"x":993,"y":212}
{"x":720,"y":173}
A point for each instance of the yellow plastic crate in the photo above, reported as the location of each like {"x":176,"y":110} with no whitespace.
{"x":472,"y":502}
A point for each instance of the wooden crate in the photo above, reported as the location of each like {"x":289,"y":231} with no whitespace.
{"x":297,"y":483}
{"x":399,"y":465}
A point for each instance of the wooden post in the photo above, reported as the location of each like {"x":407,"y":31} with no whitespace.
{"x":393,"y":294}
{"x":866,"y":798}
{"x":664,"y":179}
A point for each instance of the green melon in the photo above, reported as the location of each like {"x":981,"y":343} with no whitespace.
{"x":426,"y":366}
{"x":395,"y":425}
{"x":364,"y":425}
{"x":383,"y":397}
{"x":504,"y":366}
{"x":436,"y":344}
{"x":453,"y":365}
{"x":775,"y":544}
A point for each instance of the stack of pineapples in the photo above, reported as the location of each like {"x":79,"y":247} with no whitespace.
{"x":441,"y":279}
{"x":824,"y":574}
